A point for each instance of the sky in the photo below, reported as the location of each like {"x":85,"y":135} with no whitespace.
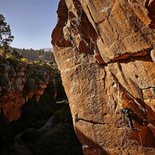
{"x":31,"y":21}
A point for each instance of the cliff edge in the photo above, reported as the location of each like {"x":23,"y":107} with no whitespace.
{"x":106,"y":54}
{"x":20,"y":80}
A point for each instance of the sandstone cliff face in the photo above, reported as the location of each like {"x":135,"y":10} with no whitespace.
{"x":19,"y":82}
{"x":103,"y":49}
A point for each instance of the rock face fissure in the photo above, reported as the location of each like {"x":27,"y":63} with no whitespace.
{"x":77,"y":118}
{"x":128,"y":56}
{"x":94,"y":40}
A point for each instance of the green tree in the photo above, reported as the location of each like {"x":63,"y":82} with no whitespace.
{"x":5,"y":32}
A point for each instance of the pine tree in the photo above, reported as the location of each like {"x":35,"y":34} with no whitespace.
{"x":5,"y":32}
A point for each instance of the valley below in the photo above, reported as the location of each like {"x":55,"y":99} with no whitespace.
{"x":35,"y":116}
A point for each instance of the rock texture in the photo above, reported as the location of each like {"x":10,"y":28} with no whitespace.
{"x":19,"y":81}
{"x":94,"y":40}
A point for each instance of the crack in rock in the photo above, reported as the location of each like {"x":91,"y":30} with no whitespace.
{"x":77,"y":118}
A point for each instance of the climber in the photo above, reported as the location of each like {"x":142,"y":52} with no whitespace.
{"x":131,"y":108}
{"x":128,"y":117}
{"x":128,"y":112}
{"x":131,"y":115}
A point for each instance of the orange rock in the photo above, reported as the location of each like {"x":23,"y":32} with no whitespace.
{"x":153,"y":55}
{"x":121,"y":32}
{"x":99,"y":59}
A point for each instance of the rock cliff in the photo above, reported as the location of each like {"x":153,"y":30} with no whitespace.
{"x":20,"y":80}
{"x":106,"y":54}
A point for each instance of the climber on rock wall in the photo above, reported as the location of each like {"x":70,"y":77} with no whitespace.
{"x":130,"y":106}
{"x":129,"y":114}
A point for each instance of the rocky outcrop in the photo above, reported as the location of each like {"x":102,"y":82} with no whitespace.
{"x":20,"y":81}
{"x":105,"y":52}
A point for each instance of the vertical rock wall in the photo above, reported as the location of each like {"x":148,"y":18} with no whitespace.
{"x":103,"y":49}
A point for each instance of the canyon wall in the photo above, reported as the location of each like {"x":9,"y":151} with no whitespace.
{"x":105,"y":52}
{"x":20,"y":80}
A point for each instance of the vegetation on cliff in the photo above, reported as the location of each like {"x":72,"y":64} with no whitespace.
{"x":45,"y":124}
{"x":32,"y":54}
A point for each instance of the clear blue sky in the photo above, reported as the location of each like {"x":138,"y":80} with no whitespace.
{"x":31,"y":21}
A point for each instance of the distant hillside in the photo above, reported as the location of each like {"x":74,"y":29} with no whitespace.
{"x":44,"y":54}
{"x":47,"y":49}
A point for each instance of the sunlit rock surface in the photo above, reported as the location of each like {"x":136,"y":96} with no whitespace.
{"x":93,"y":40}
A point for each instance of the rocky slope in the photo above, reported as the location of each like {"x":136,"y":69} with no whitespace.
{"x":105,"y":52}
{"x":21,"y":79}
{"x":35,"y":116}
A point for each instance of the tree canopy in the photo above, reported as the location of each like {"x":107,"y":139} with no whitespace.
{"x":5,"y":32}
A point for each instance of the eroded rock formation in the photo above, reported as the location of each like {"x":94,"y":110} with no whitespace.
{"x":20,"y":81}
{"x":94,"y":40}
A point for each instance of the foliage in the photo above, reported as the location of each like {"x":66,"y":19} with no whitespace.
{"x":16,"y":54}
{"x":34,"y":55}
{"x":60,"y":138}
{"x":5,"y":32}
